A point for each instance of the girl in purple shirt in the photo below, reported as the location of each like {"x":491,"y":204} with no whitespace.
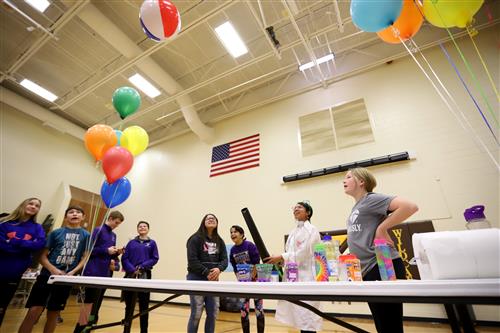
{"x":20,"y":237}
{"x":245,"y":252}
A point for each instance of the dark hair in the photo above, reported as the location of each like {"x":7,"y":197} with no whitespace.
{"x":238,"y":229}
{"x":116,"y":215}
{"x":307,"y":206}
{"x":203,"y":232}
{"x":142,"y":222}
{"x":76,"y":207}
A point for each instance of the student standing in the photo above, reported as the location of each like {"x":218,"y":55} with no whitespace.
{"x":20,"y":237}
{"x":299,"y":249}
{"x":207,"y":258}
{"x":64,"y":254}
{"x":102,"y":250}
{"x":245,"y":252}
{"x":371,"y":217}
{"x":141,"y":254}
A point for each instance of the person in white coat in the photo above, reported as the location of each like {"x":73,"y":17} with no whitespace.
{"x":300,"y":249}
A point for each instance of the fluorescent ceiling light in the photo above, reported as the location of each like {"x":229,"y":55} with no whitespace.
{"x":39,"y":5}
{"x":144,"y":85}
{"x":231,"y":39}
{"x":40,"y":91}
{"x":320,"y":61}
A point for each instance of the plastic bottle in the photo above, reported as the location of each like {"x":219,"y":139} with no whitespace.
{"x":475,"y":218}
{"x":320,"y":262}
{"x":353,"y":268}
{"x":384,"y":260}
{"x":331,"y":258}
{"x":292,"y":271}
{"x":275,"y":276}
{"x":342,"y":268}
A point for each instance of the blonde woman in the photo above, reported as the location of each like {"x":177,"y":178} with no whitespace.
{"x":371,"y":217}
{"x":20,"y":237}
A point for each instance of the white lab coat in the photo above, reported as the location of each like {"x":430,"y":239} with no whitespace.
{"x":300,"y":249}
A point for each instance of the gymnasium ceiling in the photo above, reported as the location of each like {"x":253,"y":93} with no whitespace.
{"x":79,"y":56}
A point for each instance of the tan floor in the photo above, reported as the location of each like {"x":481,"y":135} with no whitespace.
{"x":172,"y":318}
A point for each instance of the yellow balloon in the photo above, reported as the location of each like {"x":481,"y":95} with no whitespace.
{"x":135,"y":139}
{"x":451,"y":13}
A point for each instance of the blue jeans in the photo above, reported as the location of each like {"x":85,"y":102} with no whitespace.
{"x":197,"y":302}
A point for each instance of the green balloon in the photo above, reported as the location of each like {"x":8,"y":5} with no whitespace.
{"x":126,"y":101}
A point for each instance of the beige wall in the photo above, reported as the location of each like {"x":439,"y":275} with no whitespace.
{"x":171,"y":188}
{"x":40,"y":161}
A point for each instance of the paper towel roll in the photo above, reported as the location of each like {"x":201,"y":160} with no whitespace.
{"x":466,"y":254}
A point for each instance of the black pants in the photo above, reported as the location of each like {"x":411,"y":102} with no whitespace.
{"x":130,"y":301}
{"x":388,"y":317}
{"x":97,"y":306}
{"x":7,"y":290}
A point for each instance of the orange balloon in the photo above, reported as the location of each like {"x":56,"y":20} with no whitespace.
{"x":408,"y":23}
{"x":98,"y":139}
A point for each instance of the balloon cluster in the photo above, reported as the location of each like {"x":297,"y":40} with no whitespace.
{"x":159,"y":19}
{"x":116,"y":149}
{"x":399,"y":20}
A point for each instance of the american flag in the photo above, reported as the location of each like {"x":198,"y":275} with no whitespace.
{"x":235,"y":155}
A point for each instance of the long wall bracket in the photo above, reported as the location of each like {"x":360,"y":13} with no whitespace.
{"x":397,"y":157}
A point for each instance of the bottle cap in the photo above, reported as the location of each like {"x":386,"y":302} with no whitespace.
{"x":380,"y":241}
{"x":327,"y":238}
{"x":345,"y":257}
{"x":474,"y":213}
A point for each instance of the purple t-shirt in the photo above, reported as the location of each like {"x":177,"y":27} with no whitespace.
{"x":18,"y":240}
{"x":245,"y":253}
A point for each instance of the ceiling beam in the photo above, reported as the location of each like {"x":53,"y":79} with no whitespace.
{"x":133,"y":61}
{"x":37,"y":45}
{"x":305,"y":43}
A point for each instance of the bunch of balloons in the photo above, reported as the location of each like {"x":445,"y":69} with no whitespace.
{"x":399,"y":20}
{"x":159,"y":19}
{"x":116,"y":149}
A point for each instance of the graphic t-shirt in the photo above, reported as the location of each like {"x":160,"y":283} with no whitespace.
{"x":66,"y":247}
{"x":245,"y":253}
{"x":366,"y":215}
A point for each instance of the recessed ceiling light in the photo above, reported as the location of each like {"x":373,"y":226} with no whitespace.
{"x":319,"y":61}
{"x":144,"y":85}
{"x":39,"y":5}
{"x":231,"y":39}
{"x":39,"y":90}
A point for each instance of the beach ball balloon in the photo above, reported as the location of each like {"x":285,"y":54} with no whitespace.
{"x":159,"y":19}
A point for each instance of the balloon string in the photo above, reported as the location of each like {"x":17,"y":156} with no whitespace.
{"x":469,"y":128}
{"x":91,"y":244}
{"x":468,"y":91}
{"x":467,"y":65}
{"x":470,"y":33}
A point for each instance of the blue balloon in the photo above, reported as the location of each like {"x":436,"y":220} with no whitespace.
{"x":375,"y":15}
{"x":116,"y":193}
{"x":118,"y":136}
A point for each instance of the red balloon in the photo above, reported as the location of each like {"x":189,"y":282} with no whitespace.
{"x":116,"y":163}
